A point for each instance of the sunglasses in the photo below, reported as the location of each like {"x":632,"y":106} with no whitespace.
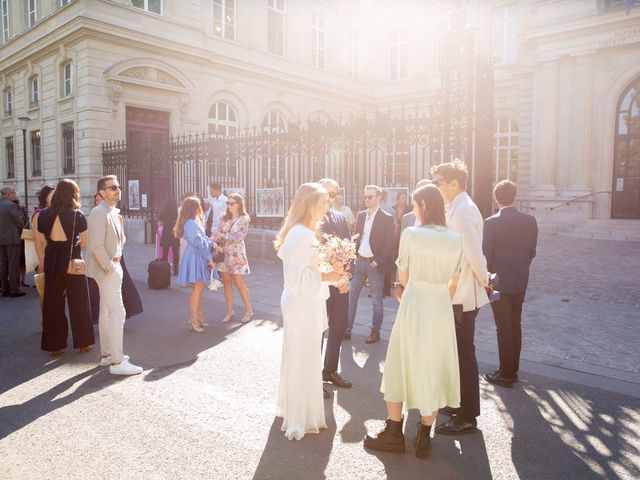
{"x":370,"y":197}
{"x":231,"y":203}
{"x":113,"y":188}
{"x":332,"y":194}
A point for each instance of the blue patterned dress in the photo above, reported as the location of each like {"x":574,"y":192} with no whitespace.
{"x":193,"y":265}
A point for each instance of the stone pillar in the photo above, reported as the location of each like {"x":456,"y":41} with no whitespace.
{"x":545,"y":130}
{"x":580,"y":161}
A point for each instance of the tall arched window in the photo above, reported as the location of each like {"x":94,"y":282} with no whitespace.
{"x":505,"y":149}
{"x":34,"y":91}
{"x":626,"y":166}
{"x":274,"y":122}
{"x":223,"y":120}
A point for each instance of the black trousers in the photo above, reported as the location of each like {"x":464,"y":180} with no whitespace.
{"x":176,"y":254}
{"x":10,"y":268}
{"x":55,"y":328}
{"x":507,"y":313}
{"x":338,"y":313}
{"x":469,"y":382}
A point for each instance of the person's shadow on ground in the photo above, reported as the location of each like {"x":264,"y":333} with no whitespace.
{"x":310,"y":455}
{"x":581,"y":440}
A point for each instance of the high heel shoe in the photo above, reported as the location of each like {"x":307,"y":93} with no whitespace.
{"x":247,"y":318}
{"x":201,"y":320}
{"x":228,"y":317}
{"x":194,"y":324}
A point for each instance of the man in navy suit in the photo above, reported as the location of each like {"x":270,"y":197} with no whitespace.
{"x":335,"y":223}
{"x":376,"y":236}
{"x":509,"y":244}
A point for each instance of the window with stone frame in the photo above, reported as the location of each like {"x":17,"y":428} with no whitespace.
{"x":11,"y":161}
{"x":152,"y":6}
{"x":505,"y":149}
{"x":318,"y":40}
{"x":32,"y":12}
{"x":67,"y":79}
{"x":504,"y":34}
{"x":68,"y":153}
{"x":223,"y":120}
{"x":36,"y":153}
{"x":224,"y":19}
{"x":4,"y":15}
{"x":274,"y":122}
{"x":398,"y":47}
{"x":7,"y":102}
{"x":34,"y":91}
{"x":275,"y":26}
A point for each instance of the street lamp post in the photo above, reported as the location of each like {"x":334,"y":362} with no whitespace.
{"x":24,"y":124}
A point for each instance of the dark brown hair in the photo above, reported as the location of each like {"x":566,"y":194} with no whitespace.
{"x":456,"y":170}
{"x":65,"y":197}
{"x":43,"y":193}
{"x":505,"y":192}
{"x":430,"y":206}
{"x":236,"y":197}
{"x":103,"y":180}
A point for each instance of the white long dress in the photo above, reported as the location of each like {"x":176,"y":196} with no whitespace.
{"x":304,"y":315}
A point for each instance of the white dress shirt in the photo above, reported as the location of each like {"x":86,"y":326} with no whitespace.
{"x":464,"y":217}
{"x":218,"y":206}
{"x":365,"y":248}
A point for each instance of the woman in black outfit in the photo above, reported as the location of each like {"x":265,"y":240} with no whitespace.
{"x":64,"y":237}
{"x":168,"y":217}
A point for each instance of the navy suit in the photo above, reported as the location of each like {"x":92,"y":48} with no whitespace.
{"x":335,"y":223}
{"x":509,"y":245}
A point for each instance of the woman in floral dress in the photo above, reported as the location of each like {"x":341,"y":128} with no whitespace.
{"x":230,"y":240}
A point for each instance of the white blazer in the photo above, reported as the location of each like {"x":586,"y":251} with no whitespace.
{"x":464,"y":217}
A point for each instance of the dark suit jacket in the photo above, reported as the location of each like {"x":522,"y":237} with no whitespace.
{"x":382,"y":238}
{"x":335,"y":224}
{"x":11,"y":223}
{"x":509,"y":244}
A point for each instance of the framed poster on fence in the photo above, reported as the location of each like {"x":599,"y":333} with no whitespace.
{"x":231,"y":190}
{"x":133,"y":191}
{"x":392,"y":195}
{"x":270,"y":202}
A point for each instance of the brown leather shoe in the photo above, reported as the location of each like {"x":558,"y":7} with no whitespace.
{"x":347,"y":335}
{"x":374,"y":337}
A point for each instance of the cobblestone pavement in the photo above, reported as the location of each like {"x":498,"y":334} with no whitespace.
{"x":582,"y":310}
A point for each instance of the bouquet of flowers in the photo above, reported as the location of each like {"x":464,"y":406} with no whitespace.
{"x":336,"y":253}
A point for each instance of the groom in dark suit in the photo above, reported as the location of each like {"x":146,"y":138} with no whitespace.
{"x":509,"y":244}
{"x":376,"y":236}
{"x":335,"y":224}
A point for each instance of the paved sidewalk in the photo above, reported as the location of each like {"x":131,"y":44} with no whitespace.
{"x":582,"y":311}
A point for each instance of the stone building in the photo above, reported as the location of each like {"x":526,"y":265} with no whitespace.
{"x":567,"y":77}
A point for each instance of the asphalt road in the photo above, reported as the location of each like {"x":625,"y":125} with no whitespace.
{"x":204,"y":408}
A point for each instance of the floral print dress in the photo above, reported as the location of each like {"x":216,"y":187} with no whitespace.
{"x":231,"y":233}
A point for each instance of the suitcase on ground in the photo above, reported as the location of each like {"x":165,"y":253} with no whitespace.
{"x":159,"y":274}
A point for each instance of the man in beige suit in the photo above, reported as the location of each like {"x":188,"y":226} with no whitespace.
{"x":106,"y":242}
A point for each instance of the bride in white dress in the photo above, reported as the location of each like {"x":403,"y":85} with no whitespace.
{"x":304,"y":314}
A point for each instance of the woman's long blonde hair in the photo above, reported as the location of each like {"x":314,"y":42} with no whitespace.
{"x":191,"y":208}
{"x":301,"y":210}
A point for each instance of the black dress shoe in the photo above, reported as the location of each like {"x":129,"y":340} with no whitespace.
{"x":457,"y":426}
{"x":515,"y":376}
{"x":498,"y":379}
{"x":326,"y":394}
{"x":336,"y":379}
{"x":450,"y":411}
{"x":17,"y":294}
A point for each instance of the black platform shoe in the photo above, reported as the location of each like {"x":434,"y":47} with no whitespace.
{"x":423,"y":441}
{"x":391,"y":439}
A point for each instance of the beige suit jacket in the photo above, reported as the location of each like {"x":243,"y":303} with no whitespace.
{"x":106,"y":239}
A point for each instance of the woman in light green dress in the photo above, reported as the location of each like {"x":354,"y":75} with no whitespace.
{"x":421,"y":368}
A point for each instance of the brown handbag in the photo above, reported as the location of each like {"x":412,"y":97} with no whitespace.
{"x":76,"y":265}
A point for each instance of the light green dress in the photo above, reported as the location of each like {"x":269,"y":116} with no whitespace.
{"x":421,"y":368}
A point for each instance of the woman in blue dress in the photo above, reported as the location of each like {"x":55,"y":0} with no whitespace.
{"x":196,"y":260}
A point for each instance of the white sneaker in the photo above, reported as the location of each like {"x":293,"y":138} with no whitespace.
{"x":125,"y":368}
{"x":106,"y":361}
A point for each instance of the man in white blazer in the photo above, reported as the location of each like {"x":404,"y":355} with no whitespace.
{"x":464,"y":217}
{"x":106,"y":242}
